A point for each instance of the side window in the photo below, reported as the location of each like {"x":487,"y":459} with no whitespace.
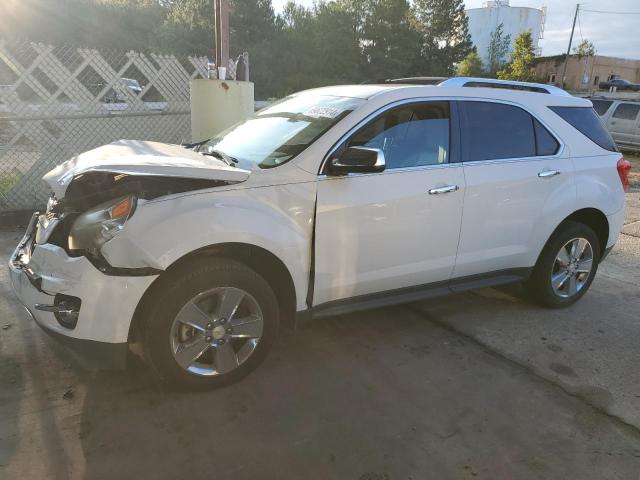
{"x":626,"y":111}
{"x":546,"y":144}
{"x":495,"y":130}
{"x":601,"y":106}
{"x":410,"y":136}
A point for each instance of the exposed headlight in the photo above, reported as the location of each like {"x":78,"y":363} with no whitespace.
{"x":97,"y":226}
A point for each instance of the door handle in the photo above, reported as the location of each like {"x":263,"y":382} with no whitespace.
{"x":549,"y":173}
{"x":439,"y":190}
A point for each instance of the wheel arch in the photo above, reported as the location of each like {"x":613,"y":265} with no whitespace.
{"x":594,"y":219}
{"x":264,"y":262}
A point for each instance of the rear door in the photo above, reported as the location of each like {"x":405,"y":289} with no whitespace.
{"x":623,"y":124}
{"x":515,"y":170}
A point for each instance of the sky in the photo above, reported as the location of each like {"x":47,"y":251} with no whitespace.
{"x":612,"y":35}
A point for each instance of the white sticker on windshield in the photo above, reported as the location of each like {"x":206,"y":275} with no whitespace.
{"x":324,"y":112}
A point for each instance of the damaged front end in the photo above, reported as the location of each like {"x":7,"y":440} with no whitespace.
{"x":97,"y":205}
{"x":97,"y":192}
{"x":58,"y":270}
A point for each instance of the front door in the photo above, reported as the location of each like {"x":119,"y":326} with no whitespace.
{"x":399,"y":228}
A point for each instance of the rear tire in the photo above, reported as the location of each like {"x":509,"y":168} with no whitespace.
{"x":566,"y":267}
{"x":209,"y":323}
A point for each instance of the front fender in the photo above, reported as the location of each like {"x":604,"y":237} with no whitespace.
{"x":278,"y":219}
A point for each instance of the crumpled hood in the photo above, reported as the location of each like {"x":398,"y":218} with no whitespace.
{"x":133,"y":157}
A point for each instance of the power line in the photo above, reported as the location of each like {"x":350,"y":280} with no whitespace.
{"x":609,"y":12}
{"x":580,"y":28}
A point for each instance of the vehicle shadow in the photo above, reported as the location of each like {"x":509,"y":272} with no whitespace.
{"x":322,"y":405}
{"x":375,"y":395}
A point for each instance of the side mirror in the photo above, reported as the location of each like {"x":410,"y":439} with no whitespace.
{"x":357,"y":160}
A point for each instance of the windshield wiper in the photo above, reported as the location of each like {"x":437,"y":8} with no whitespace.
{"x":228,"y":159}
{"x":195,"y":144}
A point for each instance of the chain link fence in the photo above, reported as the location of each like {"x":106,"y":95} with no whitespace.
{"x":58,"y":101}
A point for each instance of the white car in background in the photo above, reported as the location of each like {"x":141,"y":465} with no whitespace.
{"x":329,"y":201}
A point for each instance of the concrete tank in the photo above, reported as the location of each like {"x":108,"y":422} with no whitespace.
{"x":515,"y":20}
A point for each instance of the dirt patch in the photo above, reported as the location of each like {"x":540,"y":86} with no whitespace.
{"x":634,"y":175}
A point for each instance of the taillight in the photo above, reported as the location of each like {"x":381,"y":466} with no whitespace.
{"x":624,"y":167}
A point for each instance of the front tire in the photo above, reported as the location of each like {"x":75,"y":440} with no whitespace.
{"x":566,"y":267}
{"x":209,"y":323}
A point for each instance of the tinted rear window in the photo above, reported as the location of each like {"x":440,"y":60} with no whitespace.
{"x":587,"y":122}
{"x":626,"y":111}
{"x":496,"y":130}
{"x":601,"y":106}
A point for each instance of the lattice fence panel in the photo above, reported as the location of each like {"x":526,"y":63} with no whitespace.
{"x":58,"y":101}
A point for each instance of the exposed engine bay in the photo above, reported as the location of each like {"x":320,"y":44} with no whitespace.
{"x":93,"y":188}
{"x":98,"y":191}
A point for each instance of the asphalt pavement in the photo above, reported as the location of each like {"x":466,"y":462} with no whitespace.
{"x":477,"y":385}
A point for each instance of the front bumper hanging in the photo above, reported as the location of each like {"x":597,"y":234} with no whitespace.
{"x":73,"y":301}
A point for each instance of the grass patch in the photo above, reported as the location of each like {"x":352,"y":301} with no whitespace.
{"x":7,"y":181}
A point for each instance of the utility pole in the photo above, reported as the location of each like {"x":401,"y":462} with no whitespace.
{"x":222,"y":32}
{"x":566,"y":59}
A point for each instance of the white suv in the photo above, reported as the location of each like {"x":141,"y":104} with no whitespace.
{"x":332,"y":200}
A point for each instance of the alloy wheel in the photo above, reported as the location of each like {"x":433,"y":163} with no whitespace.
{"x":572,"y":267}
{"x":216,"y":331}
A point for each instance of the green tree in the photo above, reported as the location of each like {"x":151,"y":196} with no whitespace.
{"x":522,"y":60}
{"x":254,"y":28}
{"x":388,"y":39}
{"x":471,"y":66}
{"x":251,"y":22}
{"x":293,"y":65}
{"x":318,"y":46}
{"x":192,"y":13}
{"x":584,"y":49}
{"x":335,"y":31}
{"x":188,"y":28}
{"x":117,"y":24}
{"x":498,"y":49}
{"x":444,"y":28}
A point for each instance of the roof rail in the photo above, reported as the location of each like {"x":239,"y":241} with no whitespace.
{"x":507,"y":84}
{"x":408,"y":80}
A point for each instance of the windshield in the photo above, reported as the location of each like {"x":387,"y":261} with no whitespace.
{"x":278,"y":133}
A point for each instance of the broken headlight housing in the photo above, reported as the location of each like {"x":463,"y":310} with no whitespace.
{"x":97,"y":226}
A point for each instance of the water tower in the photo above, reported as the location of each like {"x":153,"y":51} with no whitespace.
{"x":515,"y":20}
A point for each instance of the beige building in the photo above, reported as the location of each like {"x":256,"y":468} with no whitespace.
{"x":586,"y":72}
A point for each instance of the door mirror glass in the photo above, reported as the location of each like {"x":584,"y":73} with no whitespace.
{"x":357,"y":160}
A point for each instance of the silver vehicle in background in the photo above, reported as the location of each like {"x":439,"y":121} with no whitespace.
{"x":622,"y":119}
